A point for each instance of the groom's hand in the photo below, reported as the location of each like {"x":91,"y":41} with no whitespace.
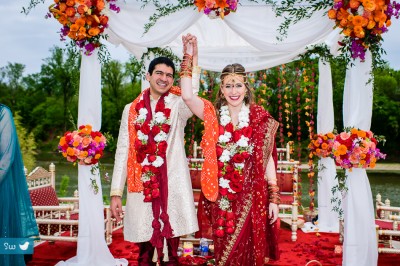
{"x":116,"y":207}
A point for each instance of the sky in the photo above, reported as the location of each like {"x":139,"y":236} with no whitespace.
{"x":27,"y":39}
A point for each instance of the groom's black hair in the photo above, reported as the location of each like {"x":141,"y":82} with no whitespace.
{"x":161,"y":60}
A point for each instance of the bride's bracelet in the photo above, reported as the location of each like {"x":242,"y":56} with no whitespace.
{"x":274,"y":194}
{"x":186,"y":66}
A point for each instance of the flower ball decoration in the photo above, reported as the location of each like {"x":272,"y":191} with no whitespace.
{"x":363,"y":22}
{"x":83,"y":21}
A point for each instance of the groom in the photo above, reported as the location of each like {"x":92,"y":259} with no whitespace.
{"x":151,"y":157}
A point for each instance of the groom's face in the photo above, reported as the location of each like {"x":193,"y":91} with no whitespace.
{"x":161,"y":80}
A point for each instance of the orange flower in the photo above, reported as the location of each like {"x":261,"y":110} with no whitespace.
{"x":344,"y":22}
{"x":90,"y":20}
{"x":62,"y":141}
{"x":354,"y":4}
{"x":332,"y":14}
{"x":62,"y":7}
{"x":342,"y":149}
{"x":63,"y":19}
{"x":70,"y":2}
{"x":388,"y":23}
{"x":70,"y":11}
{"x":371,"y":24}
{"x":324,"y":146}
{"x":72,"y":35}
{"x":80,"y":22}
{"x":221,"y":4}
{"x":97,"y":156}
{"x":103,"y":20}
{"x":100,"y":5}
{"x":94,"y":31}
{"x":380,"y":4}
{"x":354,"y":130}
{"x":342,"y":14}
{"x":81,"y":36}
{"x":82,"y":30}
{"x":380,"y":17}
{"x":70,"y":151}
{"x":200,"y":4}
{"x":347,"y":31}
{"x":358,"y":20}
{"x":74,"y":27}
{"x":87,"y":129}
{"x":330,"y":135}
{"x":82,"y":9}
{"x":361,"y":134}
{"x":316,"y":143}
{"x":369,"y":5}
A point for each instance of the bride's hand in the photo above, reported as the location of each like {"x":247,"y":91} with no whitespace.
{"x":273,"y":212}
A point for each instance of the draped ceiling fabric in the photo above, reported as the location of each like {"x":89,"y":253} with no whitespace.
{"x":247,"y":37}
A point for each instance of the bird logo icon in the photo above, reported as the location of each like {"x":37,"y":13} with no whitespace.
{"x":24,"y":246}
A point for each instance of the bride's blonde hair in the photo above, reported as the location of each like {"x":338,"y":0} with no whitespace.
{"x":233,"y":70}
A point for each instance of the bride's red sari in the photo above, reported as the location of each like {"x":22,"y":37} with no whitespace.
{"x":254,"y":240}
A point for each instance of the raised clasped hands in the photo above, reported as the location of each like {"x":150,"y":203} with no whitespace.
{"x":190,"y":45}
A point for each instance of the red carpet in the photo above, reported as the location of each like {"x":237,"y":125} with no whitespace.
{"x":308,"y":247}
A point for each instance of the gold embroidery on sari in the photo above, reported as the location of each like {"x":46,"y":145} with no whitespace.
{"x":232,"y":240}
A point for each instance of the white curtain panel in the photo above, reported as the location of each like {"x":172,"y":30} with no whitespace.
{"x":360,"y":244}
{"x":92,"y":248}
{"x":328,"y":219}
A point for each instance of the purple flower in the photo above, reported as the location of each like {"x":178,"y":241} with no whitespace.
{"x":338,"y":5}
{"x":357,"y":50}
{"x":232,"y":4}
{"x":115,"y":8}
{"x":89,"y":48}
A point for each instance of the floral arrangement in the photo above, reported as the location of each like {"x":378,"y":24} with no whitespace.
{"x":85,"y":147}
{"x":82,"y":145}
{"x":216,"y":8}
{"x":356,"y":148}
{"x":321,"y":145}
{"x":363,"y":22}
{"x":83,"y":21}
{"x":151,"y":154}
{"x":233,"y":149}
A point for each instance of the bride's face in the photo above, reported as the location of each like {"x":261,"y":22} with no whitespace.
{"x":234,"y":90}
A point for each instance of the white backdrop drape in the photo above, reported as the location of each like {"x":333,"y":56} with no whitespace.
{"x":92,"y":248}
{"x":328,"y":220}
{"x":360,"y":243}
{"x":247,"y":37}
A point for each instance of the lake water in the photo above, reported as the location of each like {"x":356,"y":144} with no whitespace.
{"x":383,"y":182}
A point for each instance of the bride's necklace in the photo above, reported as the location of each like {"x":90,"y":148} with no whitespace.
{"x":233,"y":148}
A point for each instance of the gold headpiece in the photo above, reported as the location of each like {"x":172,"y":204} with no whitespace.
{"x":234,"y":75}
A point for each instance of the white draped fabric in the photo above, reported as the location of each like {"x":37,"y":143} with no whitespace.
{"x":360,"y":244}
{"x":92,"y":248}
{"x":328,"y":220}
{"x":247,"y":37}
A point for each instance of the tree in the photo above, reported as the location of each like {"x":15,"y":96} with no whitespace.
{"x":11,"y":76}
{"x":60,"y":77}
